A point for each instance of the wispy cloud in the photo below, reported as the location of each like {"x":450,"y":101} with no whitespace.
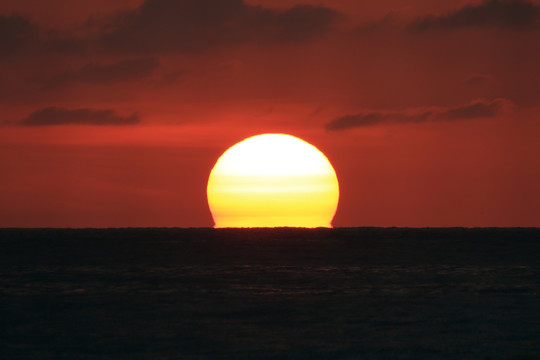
{"x":61,"y":116}
{"x":477,"y":79}
{"x":475,"y":109}
{"x":511,"y":14}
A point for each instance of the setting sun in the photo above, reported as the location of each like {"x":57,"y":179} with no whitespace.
{"x":273,"y":180}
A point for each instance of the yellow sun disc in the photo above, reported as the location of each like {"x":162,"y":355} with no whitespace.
{"x":273,"y":180}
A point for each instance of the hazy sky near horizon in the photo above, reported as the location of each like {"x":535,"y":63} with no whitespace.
{"x":114,"y":112}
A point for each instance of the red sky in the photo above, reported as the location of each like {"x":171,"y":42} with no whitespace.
{"x":114,"y":112}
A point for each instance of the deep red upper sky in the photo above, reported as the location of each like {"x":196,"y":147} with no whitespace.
{"x":114,"y":112}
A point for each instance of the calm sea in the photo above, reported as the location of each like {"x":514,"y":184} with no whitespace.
{"x":357,"y":293}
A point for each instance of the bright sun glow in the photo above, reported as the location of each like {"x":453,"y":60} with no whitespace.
{"x":273,"y":180}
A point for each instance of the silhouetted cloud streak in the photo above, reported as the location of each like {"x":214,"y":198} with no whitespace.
{"x":475,"y":109}
{"x":60,"y":116}
{"x":510,"y":14}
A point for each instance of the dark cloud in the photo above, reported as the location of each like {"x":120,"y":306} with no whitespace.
{"x":477,"y":79}
{"x":96,"y":73}
{"x":475,"y":109}
{"x":391,"y":20}
{"x":512,"y":14}
{"x":61,"y":116}
{"x":16,"y":33}
{"x":195,"y":25}
{"x":171,"y":25}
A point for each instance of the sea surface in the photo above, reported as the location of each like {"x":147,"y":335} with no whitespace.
{"x":345,"y":293}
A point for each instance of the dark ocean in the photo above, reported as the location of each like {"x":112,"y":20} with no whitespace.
{"x":346,"y":293}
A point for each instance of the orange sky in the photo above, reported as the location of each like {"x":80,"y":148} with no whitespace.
{"x":114,"y":112}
